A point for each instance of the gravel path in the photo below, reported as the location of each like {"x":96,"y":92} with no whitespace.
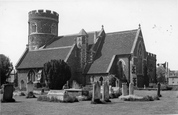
{"x":167,"y":105}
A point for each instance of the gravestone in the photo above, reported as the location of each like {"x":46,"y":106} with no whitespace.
{"x":124,"y":89}
{"x":111,"y":91}
{"x":158,"y":90}
{"x":131,"y":88}
{"x":8,"y":93}
{"x":22,"y":85}
{"x":75,"y":85}
{"x":117,"y":82}
{"x":105,"y":92}
{"x":30,"y":93}
{"x":96,"y":95}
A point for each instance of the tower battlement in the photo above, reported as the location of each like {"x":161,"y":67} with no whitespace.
{"x":45,"y":14}
{"x":150,"y":55}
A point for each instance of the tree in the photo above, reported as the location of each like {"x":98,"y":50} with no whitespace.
{"x":5,"y":68}
{"x":56,"y":73}
{"x":160,"y":71}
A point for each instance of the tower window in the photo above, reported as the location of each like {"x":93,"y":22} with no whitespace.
{"x":34,"y":27}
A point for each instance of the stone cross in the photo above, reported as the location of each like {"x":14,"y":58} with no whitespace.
{"x":124,"y":89}
{"x":8,"y":93}
{"x":131,"y":88}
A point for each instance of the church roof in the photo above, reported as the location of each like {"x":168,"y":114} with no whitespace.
{"x":68,"y":40}
{"x":116,"y":43}
{"x":37,"y":58}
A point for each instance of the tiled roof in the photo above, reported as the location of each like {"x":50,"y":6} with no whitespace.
{"x":68,"y":40}
{"x":36,"y":59}
{"x":116,"y":43}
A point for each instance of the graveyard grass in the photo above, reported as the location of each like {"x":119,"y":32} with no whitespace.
{"x":168,"y":104}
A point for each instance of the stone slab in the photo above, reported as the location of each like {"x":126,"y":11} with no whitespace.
{"x":59,"y":94}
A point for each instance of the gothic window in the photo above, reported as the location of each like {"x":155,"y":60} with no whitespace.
{"x":140,"y":59}
{"x":121,"y":69}
{"x":53,"y":29}
{"x":31,"y":76}
{"x":101,"y":80}
{"x":33,"y":27}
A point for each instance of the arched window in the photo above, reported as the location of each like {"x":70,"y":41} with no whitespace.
{"x":33,"y":27}
{"x":101,"y":80}
{"x":140,"y":57}
{"x":121,"y":69}
{"x":31,"y":76}
{"x":54,"y":29}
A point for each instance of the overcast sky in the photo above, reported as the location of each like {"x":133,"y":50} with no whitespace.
{"x":158,"y":19}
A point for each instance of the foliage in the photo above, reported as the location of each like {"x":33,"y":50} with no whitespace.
{"x":112,"y":81}
{"x":160,"y":74}
{"x":5,"y":68}
{"x":56,"y":73}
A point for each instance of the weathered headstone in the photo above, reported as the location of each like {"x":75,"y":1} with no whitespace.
{"x":117,"y":82}
{"x":111,"y":91}
{"x":158,"y":90}
{"x":8,"y":93}
{"x":22,"y":85}
{"x":75,"y":85}
{"x":30,"y":93}
{"x":144,"y":86}
{"x":124,"y":89}
{"x":96,"y":95}
{"x":131,"y":88}
{"x":105,"y":92}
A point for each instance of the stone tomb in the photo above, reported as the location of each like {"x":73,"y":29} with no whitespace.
{"x":8,"y":93}
{"x":105,"y":92}
{"x":74,"y":92}
{"x":30,"y":87}
{"x":96,"y":95}
{"x":61,"y":95}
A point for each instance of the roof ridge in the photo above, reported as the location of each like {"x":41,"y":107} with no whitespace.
{"x":51,"y":48}
{"x":125,"y":31}
{"x":76,"y":34}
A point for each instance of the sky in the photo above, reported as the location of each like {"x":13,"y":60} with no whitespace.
{"x":158,"y":20}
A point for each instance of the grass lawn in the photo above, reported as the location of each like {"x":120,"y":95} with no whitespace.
{"x":168,"y":104}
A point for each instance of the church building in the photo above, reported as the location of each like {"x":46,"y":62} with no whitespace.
{"x":92,"y":56}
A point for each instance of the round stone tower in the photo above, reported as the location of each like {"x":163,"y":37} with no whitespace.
{"x":43,"y":28}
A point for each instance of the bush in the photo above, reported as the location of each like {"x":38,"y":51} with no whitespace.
{"x":148,"y":98}
{"x":43,"y":98}
{"x":156,"y":97}
{"x":137,"y":98}
{"x":56,"y":73}
{"x":22,"y":94}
